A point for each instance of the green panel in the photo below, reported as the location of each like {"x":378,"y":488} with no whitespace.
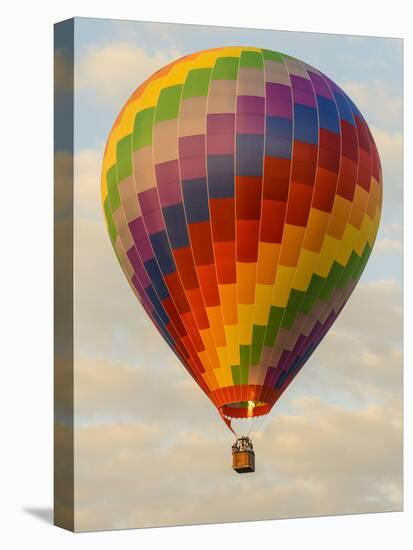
{"x":112,"y":184}
{"x":316,"y":285}
{"x":256,"y":353}
{"x":111,"y":226}
{"x":362,"y":264}
{"x":251,"y":59}
{"x":258,"y":333}
{"x":244,"y":372}
{"x":197,"y":83}
{"x":143,"y":129}
{"x":328,"y":289}
{"x":168,"y":103}
{"x":308,"y":303}
{"x":348,"y":270}
{"x":276,"y":314}
{"x":236,"y":374}
{"x":289,"y":317}
{"x":295,"y":298}
{"x":124,"y":147}
{"x":226,"y":68}
{"x":272,"y":56}
{"x":244,"y":352}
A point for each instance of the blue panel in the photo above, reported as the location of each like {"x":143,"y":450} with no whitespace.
{"x":162,"y":252}
{"x":278,"y":147}
{"x":328,"y":115}
{"x":220,"y":176}
{"x":156,"y":278}
{"x":158,"y":307}
{"x":279,"y":127}
{"x":305,"y":123}
{"x":343,"y":107}
{"x":174,"y":217}
{"x":196,"y":200}
{"x":250,"y":150}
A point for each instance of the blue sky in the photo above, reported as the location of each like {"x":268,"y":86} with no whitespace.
{"x":127,"y":380}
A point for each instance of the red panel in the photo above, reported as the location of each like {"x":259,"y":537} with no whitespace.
{"x":200,"y":236}
{"x":304,"y":152}
{"x":303,"y":172}
{"x":185,"y":265}
{"x":329,"y":159}
{"x":349,"y":143}
{"x":325,"y":190}
{"x":174,"y":285}
{"x":223,"y":219}
{"x":329,"y":140}
{"x":364,"y":173}
{"x":272,"y":223}
{"x":174,"y":316}
{"x":207,"y":277}
{"x":299,"y":202}
{"x":347,"y":178}
{"x":198,"y":307}
{"x":225,"y":262}
{"x":247,"y":240}
{"x":248,"y":197}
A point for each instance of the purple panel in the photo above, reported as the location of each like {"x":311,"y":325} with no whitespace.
{"x":170,"y":193}
{"x":138,"y":267}
{"x":249,"y":104}
{"x":221,"y":144}
{"x":250,"y":124}
{"x":275,"y":107}
{"x":298,"y":82}
{"x":192,"y":146}
{"x":304,"y":98}
{"x":167,"y":171}
{"x":151,"y":211}
{"x":221,"y":123}
{"x":192,"y":168}
{"x":278,"y":91}
{"x":320,"y":86}
{"x":141,"y":240}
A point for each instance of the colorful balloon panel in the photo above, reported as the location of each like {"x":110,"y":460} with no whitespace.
{"x":242,"y":192}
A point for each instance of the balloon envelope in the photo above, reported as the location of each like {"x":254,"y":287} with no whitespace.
{"x":242,"y":192}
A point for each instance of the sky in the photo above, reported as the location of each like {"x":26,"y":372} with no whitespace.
{"x":150,"y":449}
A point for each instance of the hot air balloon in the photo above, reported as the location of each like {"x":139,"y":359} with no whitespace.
{"x":242,"y":192}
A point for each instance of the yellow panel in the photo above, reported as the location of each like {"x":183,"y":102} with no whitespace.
{"x":361,"y":197}
{"x":210,"y":347}
{"x":231,"y":332}
{"x":246,"y":282}
{"x":210,"y":379}
{"x":205,"y":59}
{"x":291,"y":245}
{"x":203,"y":357}
{"x":327,"y":256}
{"x":347,"y":244}
{"x":262,"y":304}
{"x":228,"y":298}
{"x":223,"y":356}
{"x":224,"y":377}
{"x":245,"y":314}
{"x":267,"y":262}
{"x":316,"y":229}
{"x":282,"y":287}
{"x":216,"y":324}
{"x":305,"y":269}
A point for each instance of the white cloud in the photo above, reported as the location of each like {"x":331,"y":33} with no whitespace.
{"x":388,"y":245}
{"x":112,"y":72}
